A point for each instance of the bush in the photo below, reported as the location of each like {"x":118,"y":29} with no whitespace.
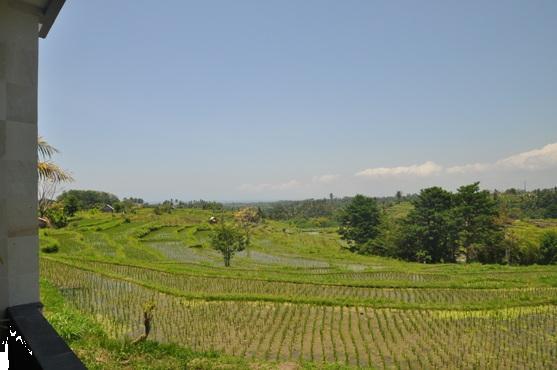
{"x":528,"y":253}
{"x":57,"y":216}
{"x":49,"y":245}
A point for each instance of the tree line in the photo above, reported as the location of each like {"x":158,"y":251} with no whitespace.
{"x":443,"y":226}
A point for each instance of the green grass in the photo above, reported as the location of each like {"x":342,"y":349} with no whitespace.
{"x":293,"y":287}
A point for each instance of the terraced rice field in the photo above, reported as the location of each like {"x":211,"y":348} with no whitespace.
{"x":280,"y":307}
{"x":359,"y":335}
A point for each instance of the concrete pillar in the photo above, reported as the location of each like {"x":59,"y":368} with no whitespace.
{"x":19,"y":266}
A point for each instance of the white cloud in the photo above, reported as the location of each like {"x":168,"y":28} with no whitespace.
{"x":325,"y":179}
{"x":292,"y":184}
{"x":425,"y":169}
{"x":469,"y":168}
{"x":537,"y":159}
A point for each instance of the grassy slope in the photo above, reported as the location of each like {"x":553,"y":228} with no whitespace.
{"x":280,"y":252}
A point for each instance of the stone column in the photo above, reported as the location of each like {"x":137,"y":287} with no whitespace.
{"x":19,"y":266}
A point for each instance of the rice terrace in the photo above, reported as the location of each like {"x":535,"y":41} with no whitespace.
{"x":297,"y":297}
{"x":278,"y":185}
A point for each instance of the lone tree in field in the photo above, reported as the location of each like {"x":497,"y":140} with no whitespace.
{"x":247,"y":218}
{"x":360,"y":223}
{"x":228,"y":241}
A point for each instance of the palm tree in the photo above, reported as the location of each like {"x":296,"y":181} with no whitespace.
{"x":49,"y":171}
{"x":50,"y":175}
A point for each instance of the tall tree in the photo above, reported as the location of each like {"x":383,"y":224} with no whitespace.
{"x":427,"y":232}
{"x":50,"y":176}
{"x":360,"y":223}
{"x":475,"y":215}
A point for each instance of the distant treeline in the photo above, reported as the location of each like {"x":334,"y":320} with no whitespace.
{"x":539,"y":203}
{"x":200,"y":204}
{"x":442,"y":226}
{"x":311,"y":212}
{"x":516,"y":204}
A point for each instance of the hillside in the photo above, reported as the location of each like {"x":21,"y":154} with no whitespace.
{"x":295,"y":297}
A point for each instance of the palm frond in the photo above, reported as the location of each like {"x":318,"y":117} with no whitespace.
{"x":51,"y":172}
{"x":45,"y":149}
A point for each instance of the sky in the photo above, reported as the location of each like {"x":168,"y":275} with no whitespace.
{"x":252,"y":100}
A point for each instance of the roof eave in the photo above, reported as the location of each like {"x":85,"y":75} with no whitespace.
{"x":49,"y":16}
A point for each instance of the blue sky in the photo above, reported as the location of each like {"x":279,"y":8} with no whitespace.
{"x":263,"y":100}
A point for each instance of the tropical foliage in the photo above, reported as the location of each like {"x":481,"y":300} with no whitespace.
{"x":48,"y":170}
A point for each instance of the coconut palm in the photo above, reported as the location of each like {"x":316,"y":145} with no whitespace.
{"x":49,"y":171}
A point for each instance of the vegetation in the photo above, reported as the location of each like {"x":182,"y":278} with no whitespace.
{"x":48,"y":170}
{"x":539,"y":203}
{"x":88,"y":199}
{"x":50,"y":176}
{"x":359,"y":224}
{"x":548,"y":248}
{"x":439,"y":226}
{"x":442,"y":226}
{"x":301,"y":298}
{"x":247,"y":218}
{"x":228,"y":240}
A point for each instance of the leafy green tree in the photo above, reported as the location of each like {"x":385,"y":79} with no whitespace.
{"x":360,"y":223}
{"x":475,"y":217}
{"x":228,"y":240}
{"x":88,"y":199}
{"x":247,"y":218}
{"x":71,"y":205}
{"x":548,"y":248}
{"x":427,"y":232}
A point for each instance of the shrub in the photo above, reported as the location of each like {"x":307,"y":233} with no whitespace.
{"x":548,"y":248}
{"x":49,"y":245}
{"x":57,"y":216}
